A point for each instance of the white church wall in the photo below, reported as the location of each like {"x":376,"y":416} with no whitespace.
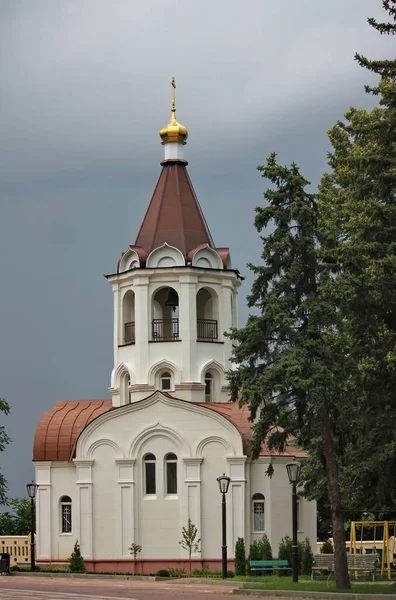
{"x":63,"y":483}
{"x":159,"y":519}
{"x":278,"y":504}
{"x":161,"y":426}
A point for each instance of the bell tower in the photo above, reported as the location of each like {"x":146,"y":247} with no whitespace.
{"x":175,"y":294}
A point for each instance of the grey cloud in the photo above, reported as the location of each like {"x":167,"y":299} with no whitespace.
{"x":84,"y":92}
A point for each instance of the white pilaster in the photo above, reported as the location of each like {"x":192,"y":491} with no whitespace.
{"x":188,"y":324}
{"x":126,"y":484}
{"x":191,"y":501}
{"x":236,"y":499}
{"x":43,"y":510}
{"x":84,"y":507}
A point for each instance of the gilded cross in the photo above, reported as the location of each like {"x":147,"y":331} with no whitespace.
{"x":173,"y":84}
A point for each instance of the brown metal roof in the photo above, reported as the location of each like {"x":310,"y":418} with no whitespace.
{"x":59,"y":428}
{"x":240,"y":418}
{"x":174,"y":215}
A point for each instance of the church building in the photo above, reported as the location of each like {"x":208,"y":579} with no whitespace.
{"x":136,"y":467}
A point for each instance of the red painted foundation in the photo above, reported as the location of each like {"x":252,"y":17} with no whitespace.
{"x":141,"y":567}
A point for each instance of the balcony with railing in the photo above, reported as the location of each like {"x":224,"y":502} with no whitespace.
{"x":129,"y":333}
{"x":165,"y":330}
{"x":207,"y":330}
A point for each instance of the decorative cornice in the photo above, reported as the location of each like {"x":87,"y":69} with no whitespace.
{"x":190,"y":386}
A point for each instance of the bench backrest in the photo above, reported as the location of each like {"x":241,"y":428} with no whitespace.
{"x":323,"y":560}
{"x":268,"y":563}
{"x":361,"y":560}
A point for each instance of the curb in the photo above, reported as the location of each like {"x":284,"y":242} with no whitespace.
{"x":84,"y":575}
{"x":305,"y":594}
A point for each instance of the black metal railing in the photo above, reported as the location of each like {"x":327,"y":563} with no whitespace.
{"x":165,"y":330}
{"x":129,"y":332}
{"x":207,"y":329}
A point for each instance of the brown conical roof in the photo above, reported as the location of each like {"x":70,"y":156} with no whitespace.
{"x":174,"y":215}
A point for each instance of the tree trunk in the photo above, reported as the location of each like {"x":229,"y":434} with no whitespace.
{"x":333,"y":487}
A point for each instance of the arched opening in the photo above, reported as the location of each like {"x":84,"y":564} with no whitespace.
{"x":207,"y":316}
{"x":165,"y":315}
{"x":150,"y":487}
{"x":258,"y":513}
{"x":66,"y":514}
{"x":171,"y":473}
{"x":125,"y":394}
{"x":128,"y":318}
{"x":208,"y":387}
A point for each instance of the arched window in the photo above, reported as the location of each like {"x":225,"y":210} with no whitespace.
{"x":258,"y":512}
{"x":208,"y":387}
{"x":171,"y":473}
{"x":66,"y":514}
{"x":149,"y":474}
{"x":166,"y":381}
{"x":125,"y":394}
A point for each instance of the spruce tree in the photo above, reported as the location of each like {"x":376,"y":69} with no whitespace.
{"x":240,"y":557}
{"x":76,"y":561}
{"x":291,"y":357}
{"x":357,"y":201}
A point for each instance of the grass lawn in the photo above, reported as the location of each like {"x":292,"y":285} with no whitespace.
{"x":304,"y":584}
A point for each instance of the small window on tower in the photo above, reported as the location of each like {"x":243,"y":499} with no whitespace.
{"x":166,"y":381}
{"x":208,"y":387}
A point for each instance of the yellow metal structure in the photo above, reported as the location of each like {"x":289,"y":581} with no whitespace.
{"x":387,"y":544}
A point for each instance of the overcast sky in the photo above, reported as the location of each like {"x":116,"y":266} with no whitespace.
{"x":84,"y":90}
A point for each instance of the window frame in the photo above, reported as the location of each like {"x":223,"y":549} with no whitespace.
{"x":258,"y":499}
{"x":149,"y":459}
{"x":66,"y":505}
{"x":166,"y":376}
{"x":170,"y":459}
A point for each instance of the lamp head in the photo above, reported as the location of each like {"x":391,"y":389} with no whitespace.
{"x":293,"y":472}
{"x":32,"y":489}
{"x":224,"y":483}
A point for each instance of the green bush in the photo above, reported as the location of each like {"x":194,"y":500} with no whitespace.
{"x":204,"y":572}
{"x":327,"y":547}
{"x":240,"y":557}
{"x":163,"y":573}
{"x":306,"y":557}
{"x":285,"y":549}
{"x":260,"y":550}
{"x":266,"y":548}
{"x":177,"y":572}
{"x":76,"y":561}
{"x":230,"y":574}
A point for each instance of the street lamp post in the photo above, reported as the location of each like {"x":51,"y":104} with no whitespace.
{"x":293,"y":472}
{"x":224,"y":483}
{"x":32,"y":490}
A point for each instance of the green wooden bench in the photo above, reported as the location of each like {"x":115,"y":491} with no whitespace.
{"x":362,"y":562}
{"x":260,"y":566}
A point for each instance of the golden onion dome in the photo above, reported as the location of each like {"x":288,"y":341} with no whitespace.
{"x":174,"y":131}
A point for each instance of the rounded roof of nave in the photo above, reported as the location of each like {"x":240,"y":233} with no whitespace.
{"x":59,"y":428}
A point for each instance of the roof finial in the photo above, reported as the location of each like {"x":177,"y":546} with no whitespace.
{"x":174,"y":131}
